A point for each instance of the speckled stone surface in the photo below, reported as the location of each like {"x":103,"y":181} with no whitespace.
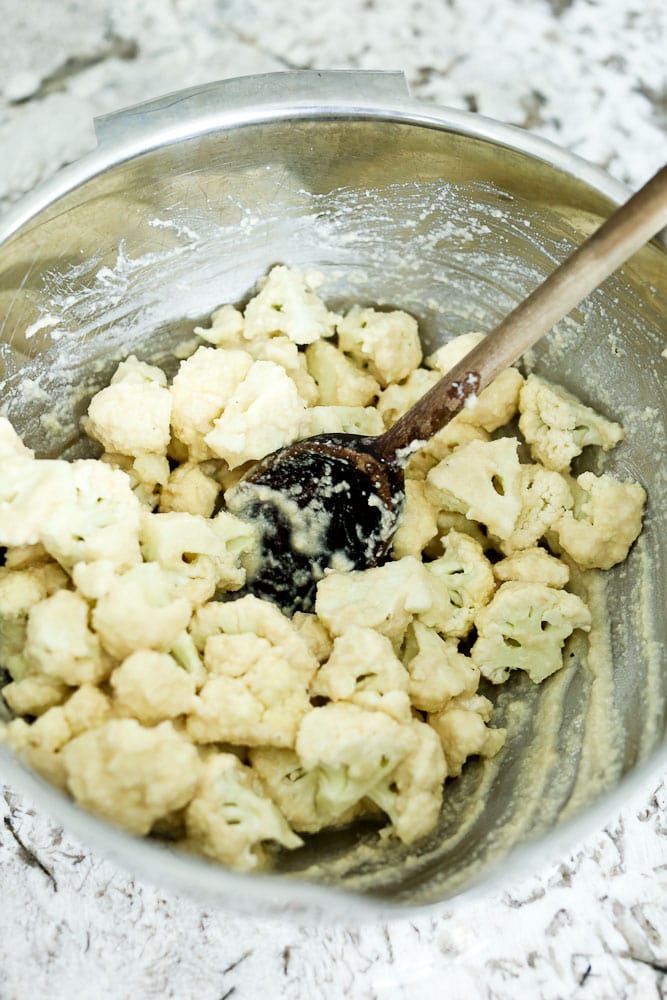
{"x":590,"y":74}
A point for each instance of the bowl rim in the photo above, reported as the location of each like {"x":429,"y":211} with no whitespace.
{"x":266,"y":893}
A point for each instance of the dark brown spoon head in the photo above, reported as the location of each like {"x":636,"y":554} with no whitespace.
{"x":330,"y":501}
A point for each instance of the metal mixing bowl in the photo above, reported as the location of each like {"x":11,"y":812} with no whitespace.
{"x":187,"y":201}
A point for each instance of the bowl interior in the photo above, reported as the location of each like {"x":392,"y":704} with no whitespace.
{"x":455,"y":230}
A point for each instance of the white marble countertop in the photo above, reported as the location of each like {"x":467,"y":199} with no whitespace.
{"x":589,"y":74}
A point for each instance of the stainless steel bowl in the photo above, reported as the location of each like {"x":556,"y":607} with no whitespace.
{"x":453,"y":217}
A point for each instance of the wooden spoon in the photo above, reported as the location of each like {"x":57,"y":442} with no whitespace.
{"x":333,"y":500}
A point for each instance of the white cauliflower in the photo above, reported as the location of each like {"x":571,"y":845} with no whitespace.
{"x":60,"y":643}
{"x":147,"y":474}
{"x":482,"y":480}
{"x":524,"y":628}
{"x":532,"y":565}
{"x":252,"y":615}
{"x":254,"y":696}
{"x":366,"y":754}
{"x":286,"y":303}
{"x":151,"y":687}
{"x":136,"y":610}
{"x":557,"y":426}
{"x":387,"y":343}
{"x":200,"y":391}
{"x":263,"y":414}
{"x":131,"y":416}
{"x":129,"y":774}
{"x":21,"y":590}
{"x":226,"y":329}
{"x":468,"y":577}
{"x":339,"y":381}
{"x":231,"y":817}
{"x":11,"y":445}
{"x":463,"y":731}
{"x":363,"y":669}
{"x":606,"y":520}
{"x":284,"y":352}
{"x":545,"y":496}
{"x":205,"y":553}
{"x":185,"y":653}
{"x":314,"y":634}
{"x":189,"y":489}
{"x":400,"y":396}
{"x":498,"y":403}
{"x":41,"y":743}
{"x":295,"y":791}
{"x":34,"y":694}
{"x":418,"y":523}
{"x":385,"y":598}
{"x":340,"y":420}
{"x":412,"y":796}
{"x":453,"y":435}
{"x":437,"y":671}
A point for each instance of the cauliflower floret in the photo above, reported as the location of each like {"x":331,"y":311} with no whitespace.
{"x":340,"y":420}
{"x":253,"y":697}
{"x":99,"y":519}
{"x":137,"y":610}
{"x":437,"y":671}
{"x":147,"y":474}
{"x":11,"y":445}
{"x":385,"y":598}
{"x":34,"y":694}
{"x":412,"y":795}
{"x":226,"y":329}
{"x":463,"y":732}
{"x":151,"y":686}
{"x":314,"y":634}
{"x":365,"y":754}
{"x":284,"y":352}
{"x":263,"y":619}
{"x":87,"y":708}
{"x":418,"y":523}
{"x":468,"y":576}
{"x":296,"y":791}
{"x":557,"y":426}
{"x":189,"y":490}
{"x":524,"y":628}
{"x":339,"y":381}
{"x":186,"y":653}
{"x":605,"y":522}
{"x":136,"y":372}
{"x":387,"y":343}
{"x":59,"y":642}
{"x":231,"y":816}
{"x":353,"y":750}
{"x":363,"y":669}
{"x":201,"y":389}
{"x":481,"y":480}
{"x":131,"y":416}
{"x":453,"y":435}
{"x":287,"y":304}
{"x":533,"y":565}
{"x":498,"y":403}
{"x":545,"y":496}
{"x":205,"y":553}
{"x":131,"y":775}
{"x":399,"y":397}
{"x":21,"y":590}
{"x":41,"y":742}
{"x":262,"y":415}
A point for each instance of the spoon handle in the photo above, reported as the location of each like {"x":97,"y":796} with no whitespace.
{"x":622,"y":235}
